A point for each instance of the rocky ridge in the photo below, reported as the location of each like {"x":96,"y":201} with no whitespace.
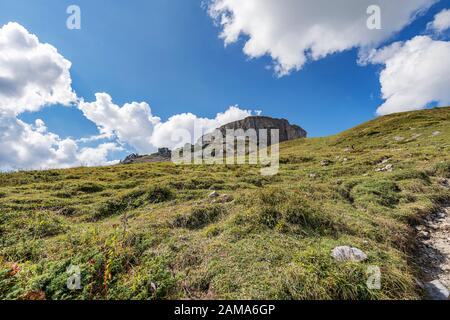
{"x":287,"y":132}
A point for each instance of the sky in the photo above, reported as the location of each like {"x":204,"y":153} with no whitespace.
{"x":139,"y":70}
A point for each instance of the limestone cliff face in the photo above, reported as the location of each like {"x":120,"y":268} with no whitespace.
{"x":286,"y":130}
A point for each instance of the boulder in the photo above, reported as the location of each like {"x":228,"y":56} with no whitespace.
{"x":346,"y":253}
{"x":287,"y":131}
{"x":436,"y":290}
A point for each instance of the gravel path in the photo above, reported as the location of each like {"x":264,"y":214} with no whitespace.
{"x":434,"y":257}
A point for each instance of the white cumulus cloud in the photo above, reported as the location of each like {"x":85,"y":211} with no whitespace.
{"x":26,"y":146}
{"x":441,"y":21}
{"x":32,"y":74}
{"x":132,"y":123}
{"x":295,"y":31}
{"x":416,"y":73}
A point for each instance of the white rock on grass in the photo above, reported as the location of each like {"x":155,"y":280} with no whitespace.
{"x":388,"y":168}
{"x":346,"y":253}
{"x":214,"y":194}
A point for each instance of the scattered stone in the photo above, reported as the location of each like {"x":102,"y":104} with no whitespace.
{"x":398,"y":138}
{"x":313,"y":175}
{"x":444,"y":182}
{"x":346,"y":253}
{"x":216,"y":198}
{"x":153,"y":287}
{"x":436,"y":290}
{"x":441,"y":215}
{"x":420,"y":228}
{"x":225,"y":198}
{"x":213,"y":194}
{"x":388,"y":168}
{"x":325,"y":162}
{"x":436,"y":133}
{"x":423,"y":235}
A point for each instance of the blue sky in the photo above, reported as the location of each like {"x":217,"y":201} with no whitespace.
{"x":168,"y":53}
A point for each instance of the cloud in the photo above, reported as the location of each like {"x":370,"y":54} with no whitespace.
{"x":98,"y":156}
{"x":25,"y":146}
{"x":134,"y":123}
{"x":416,"y":74}
{"x":32,"y":74}
{"x":441,"y":21}
{"x":295,"y":31}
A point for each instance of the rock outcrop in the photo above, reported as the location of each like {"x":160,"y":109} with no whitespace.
{"x":241,"y":130}
{"x":287,"y":131}
{"x":163,"y":155}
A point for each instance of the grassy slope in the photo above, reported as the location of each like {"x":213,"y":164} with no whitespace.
{"x":127,"y":227}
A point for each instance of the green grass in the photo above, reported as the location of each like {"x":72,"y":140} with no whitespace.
{"x":149,"y":231}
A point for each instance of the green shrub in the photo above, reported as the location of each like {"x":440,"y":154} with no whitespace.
{"x":410,"y":175}
{"x":89,"y":187}
{"x":68,"y":211}
{"x":303,"y":214}
{"x":153,"y":273}
{"x":110,"y":207}
{"x":273,"y":196}
{"x":269,"y":216}
{"x":113,"y":206}
{"x":442,"y":169}
{"x":291,"y":159}
{"x":200,"y":217}
{"x":158,"y":194}
{"x":380,"y":192}
{"x":257,"y":180}
{"x":196,"y":183}
{"x":64,"y":194}
{"x":39,"y":224}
